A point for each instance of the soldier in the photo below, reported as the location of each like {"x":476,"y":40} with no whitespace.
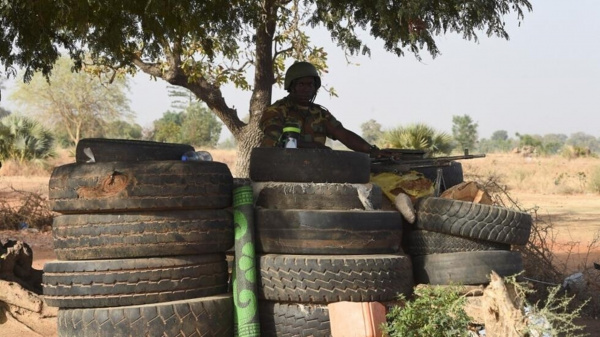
{"x":298,"y":109}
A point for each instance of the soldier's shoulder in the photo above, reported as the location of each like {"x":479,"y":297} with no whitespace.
{"x":321,"y":109}
{"x":281,"y":102}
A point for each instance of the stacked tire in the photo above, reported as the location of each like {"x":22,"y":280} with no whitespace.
{"x":321,"y":237}
{"x":140,"y":244}
{"x":459,"y":242}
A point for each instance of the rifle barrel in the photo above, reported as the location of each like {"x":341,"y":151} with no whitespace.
{"x":402,"y":165}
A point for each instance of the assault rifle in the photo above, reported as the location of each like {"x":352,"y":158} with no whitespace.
{"x":400,"y":161}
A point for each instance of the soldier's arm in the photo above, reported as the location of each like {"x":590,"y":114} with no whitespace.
{"x":351,"y":139}
{"x":271,"y":124}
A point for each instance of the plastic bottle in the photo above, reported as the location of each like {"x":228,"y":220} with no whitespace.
{"x":290,"y":137}
{"x":196,"y":156}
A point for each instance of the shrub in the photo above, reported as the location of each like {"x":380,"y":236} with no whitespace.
{"x":594,"y":182}
{"x":433,"y":312}
{"x":32,"y":210}
{"x":24,"y":139}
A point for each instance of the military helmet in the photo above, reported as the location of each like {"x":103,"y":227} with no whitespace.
{"x":299,"y":70}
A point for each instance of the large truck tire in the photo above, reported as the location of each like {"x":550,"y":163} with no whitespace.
{"x":472,"y":220}
{"x":297,"y":231}
{"x":205,"y":316}
{"x":124,"y":282}
{"x":468,"y":268}
{"x":326,"y":279}
{"x":105,"y":149}
{"x":293,"y":319}
{"x":452,"y":174}
{"x":136,"y":235}
{"x":330,"y":196}
{"x":140,"y":186}
{"x":309,"y":165}
{"x":421,"y":242}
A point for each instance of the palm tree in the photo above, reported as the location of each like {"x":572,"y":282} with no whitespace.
{"x":24,"y":139}
{"x":419,"y":137}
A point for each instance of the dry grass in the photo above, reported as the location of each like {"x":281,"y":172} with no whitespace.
{"x":543,"y":267}
{"x":224,"y":156}
{"x":12,"y":168}
{"x":541,"y":175}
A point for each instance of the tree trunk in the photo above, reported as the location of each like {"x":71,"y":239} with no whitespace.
{"x":248,"y":139}
{"x":248,"y":135}
{"x":263,"y":86}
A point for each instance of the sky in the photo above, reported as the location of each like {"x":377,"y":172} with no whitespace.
{"x":544,"y":79}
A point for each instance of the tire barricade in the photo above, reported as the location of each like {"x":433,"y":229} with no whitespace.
{"x":141,"y":245}
{"x":460,"y":242}
{"x":320,"y":240}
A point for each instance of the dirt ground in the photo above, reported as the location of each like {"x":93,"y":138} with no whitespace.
{"x":575,"y":218}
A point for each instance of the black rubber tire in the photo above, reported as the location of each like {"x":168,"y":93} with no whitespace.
{"x":330,"y":196}
{"x":471,"y":220}
{"x":113,"y":283}
{"x":452,"y":174}
{"x":309,"y":165}
{"x":293,"y":319}
{"x":140,"y":186}
{"x":137,"y":235}
{"x":297,"y":231}
{"x":206,"y":316}
{"x":420,"y":242}
{"x":326,"y":279}
{"x":105,"y":149}
{"x":466,"y":267}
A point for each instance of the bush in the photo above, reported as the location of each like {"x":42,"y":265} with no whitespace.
{"x":24,"y":139}
{"x":594,"y":182}
{"x":434,"y":312}
{"x":31,"y":210}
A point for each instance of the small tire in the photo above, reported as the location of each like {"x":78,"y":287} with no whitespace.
{"x":124,"y":282}
{"x":205,"y":316}
{"x":293,"y":319}
{"x":451,"y":175}
{"x":326,"y":279}
{"x":298,"y":231}
{"x":466,"y":267}
{"x":140,"y":186}
{"x":139,"y":235}
{"x":421,"y":242}
{"x":472,"y":220}
{"x":104,"y":149}
{"x":331,"y":196}
{"x":309,"y":165}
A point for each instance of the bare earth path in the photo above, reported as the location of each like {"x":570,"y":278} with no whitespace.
{"x":575,"y":219}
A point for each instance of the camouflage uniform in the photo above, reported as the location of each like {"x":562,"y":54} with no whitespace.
{"x":313,"y":121}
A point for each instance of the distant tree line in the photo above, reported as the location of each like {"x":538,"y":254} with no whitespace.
{"x":465,"y":136}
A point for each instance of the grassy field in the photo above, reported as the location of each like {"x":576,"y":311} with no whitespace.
{"x":538,"y":175}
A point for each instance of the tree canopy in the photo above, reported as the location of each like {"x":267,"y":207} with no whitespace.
{"x":464,"y":131}
{"x":195,"y":125}
{"x":371,"y":131}
{"x":203,"y":44}
{"x":74,"y":104}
